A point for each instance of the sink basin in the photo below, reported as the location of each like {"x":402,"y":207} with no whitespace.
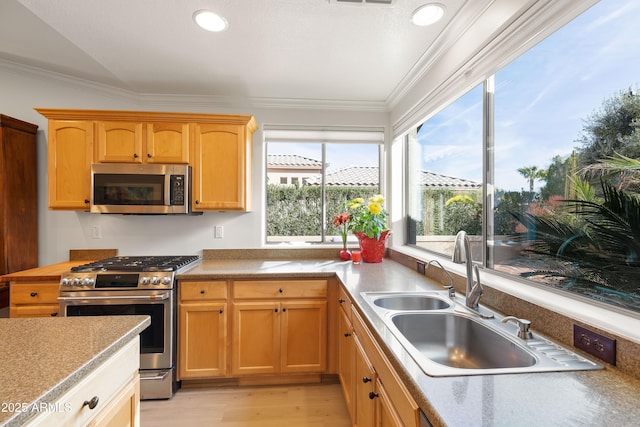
{"x":445,"y":339}
{"x":460,"y":342}
{"x":411,"y":302}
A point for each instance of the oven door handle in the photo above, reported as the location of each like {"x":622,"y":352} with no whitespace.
{"x":120,"y":298}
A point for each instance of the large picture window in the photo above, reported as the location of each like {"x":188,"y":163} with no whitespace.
{"x":311,"y":175}
{"x":561,"y":201}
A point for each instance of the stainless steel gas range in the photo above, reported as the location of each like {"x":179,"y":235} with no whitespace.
{"x":128,"y":285}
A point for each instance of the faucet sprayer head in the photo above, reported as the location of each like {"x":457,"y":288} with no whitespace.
{"x":459,"y":248}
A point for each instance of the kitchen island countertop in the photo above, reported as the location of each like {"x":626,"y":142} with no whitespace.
{"x":584,"y":398}
{"x":42,"y":358}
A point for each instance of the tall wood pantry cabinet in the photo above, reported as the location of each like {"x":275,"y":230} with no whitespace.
{"x":18,"y":198}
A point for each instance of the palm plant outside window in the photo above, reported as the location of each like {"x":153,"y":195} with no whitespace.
{"x":561,"y":201}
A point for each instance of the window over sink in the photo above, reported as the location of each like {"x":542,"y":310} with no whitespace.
{"x":542,"y":164}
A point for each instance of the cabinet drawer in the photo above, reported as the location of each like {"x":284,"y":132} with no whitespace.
{"x":34,"y":293}
{"x":270,"y":289}
{"x":202,"y":291}
{"x":344,"y":302}
{"x":35,"y":310}
{"x":104,"y":383}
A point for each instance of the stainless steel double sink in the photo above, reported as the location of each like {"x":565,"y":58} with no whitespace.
{"x":446,"y":339}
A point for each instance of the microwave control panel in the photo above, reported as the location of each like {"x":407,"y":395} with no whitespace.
{"x":177,"y":190}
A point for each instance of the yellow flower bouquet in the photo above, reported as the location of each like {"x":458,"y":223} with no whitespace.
{"x":368,"y":218}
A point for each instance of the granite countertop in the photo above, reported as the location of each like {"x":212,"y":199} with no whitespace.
{"x":42,"y":358}
{"x":584,"y":398}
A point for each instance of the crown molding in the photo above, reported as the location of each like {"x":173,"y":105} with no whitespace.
{"x":186,"y":101}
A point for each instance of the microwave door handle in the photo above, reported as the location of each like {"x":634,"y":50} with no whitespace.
{"x":160,"y":297}
{"x":167,"y":189}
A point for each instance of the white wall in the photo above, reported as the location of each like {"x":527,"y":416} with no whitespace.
{"x":22,"y":89}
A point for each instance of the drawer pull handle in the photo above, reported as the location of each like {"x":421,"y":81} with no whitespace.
{"x":275,"y":309}
{"x":366,"y":380}
{"x":34,"y":294}
{"x":221,"y":311}
{"x":91,"y":403}
{"x":202,"y":292}
{"x":347,"y":334}
{"x":284,"y":309}
{"x":149,"y":155}
{"x":54,"y":314}
{"x":135,"y":155}
{"x":373,"y":395}
{"x":281,"y":290}
{"x":340,"y":300}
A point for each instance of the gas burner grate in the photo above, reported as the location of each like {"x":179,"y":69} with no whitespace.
{"x":139,"y":263}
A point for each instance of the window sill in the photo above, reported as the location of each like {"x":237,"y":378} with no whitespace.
{"x":608,"y":320}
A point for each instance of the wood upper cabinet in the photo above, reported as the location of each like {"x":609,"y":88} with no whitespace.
{"x":70,"y":157}
{"x":221,"y":161}
{"x":138,"y":142}
{"x":119,"y":142}
{"x":167,"y":143}
{"x":217,"y":147}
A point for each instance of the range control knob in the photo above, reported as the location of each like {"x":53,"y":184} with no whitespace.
{"x":155,"y":280}
{"x":65,"y":282}
{"x":76,"y":281}
{"x":87,"y":281}
{"x":166,"y":280}
{"x":144,"y":280}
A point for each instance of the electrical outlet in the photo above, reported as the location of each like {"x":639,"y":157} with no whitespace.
{"x":96,"y":232}
{"x":218,"y":232}
{"x":420,"y":267}
{"x":595,"y":344}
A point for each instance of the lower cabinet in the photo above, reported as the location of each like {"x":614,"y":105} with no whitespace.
{"x":202,"y":329}
{"x":37,"y":299}
{"x":346,"y":352}
{"x":108,"y":396}
{"x":279,"y":337}
{"x":275,"y":327}
{"x":378,"y":396}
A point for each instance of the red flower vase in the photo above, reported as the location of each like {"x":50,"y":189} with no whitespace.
{"x":345,"y":255}
{"x":372,"y":249}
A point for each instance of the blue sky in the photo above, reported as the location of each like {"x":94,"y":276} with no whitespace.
{"x":541,"y":99}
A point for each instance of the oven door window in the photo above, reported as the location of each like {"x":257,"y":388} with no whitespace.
{"x":151,"y":339}
{"x":125,"y":189}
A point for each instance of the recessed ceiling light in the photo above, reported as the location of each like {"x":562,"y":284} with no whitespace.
{"x":210,"y":21}
{"x":427,"y":14}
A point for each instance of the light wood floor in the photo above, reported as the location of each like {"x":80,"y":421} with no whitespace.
{"x":314,"y":405}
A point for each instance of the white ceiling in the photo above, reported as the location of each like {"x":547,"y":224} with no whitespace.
{"x":273,"y":49}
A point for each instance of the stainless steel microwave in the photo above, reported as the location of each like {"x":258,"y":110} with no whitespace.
{"x":125,"y":188}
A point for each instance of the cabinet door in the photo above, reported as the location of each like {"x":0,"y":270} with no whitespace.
{"x":365,"y":389}
{"x":70,"y":157}
{"x":167,"y":143}
{"x":124,"y":409}
{"x":386,"y":414}
{"x":256,"y":338}
{"x":221,"y":155}
{"x":202,"y":340}
{"x":346,"y":360}
{"x":304,"y":336}
{"x":119,"y":142}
